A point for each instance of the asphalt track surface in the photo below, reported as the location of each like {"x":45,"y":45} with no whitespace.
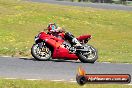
{"x":26,"y":68}
{"x":93,"y":5}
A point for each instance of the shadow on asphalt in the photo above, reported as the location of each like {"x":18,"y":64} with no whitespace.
{"x":55,"y":60}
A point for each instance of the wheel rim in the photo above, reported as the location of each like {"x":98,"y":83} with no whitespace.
{"x":42,"y":53}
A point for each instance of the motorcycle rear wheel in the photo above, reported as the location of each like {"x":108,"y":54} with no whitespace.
{"x":85,"y":58}
{"x":40,"y":54}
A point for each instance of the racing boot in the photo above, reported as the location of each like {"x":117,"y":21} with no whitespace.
{"x":77,"y":44}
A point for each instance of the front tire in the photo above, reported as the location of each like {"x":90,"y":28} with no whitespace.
{"x":89,"y":58}
{"x":39,"y":53}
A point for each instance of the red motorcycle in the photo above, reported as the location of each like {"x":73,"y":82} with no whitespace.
{"x":48,"y":46}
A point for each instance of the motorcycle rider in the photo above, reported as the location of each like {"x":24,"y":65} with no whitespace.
{"x":55,"y":30}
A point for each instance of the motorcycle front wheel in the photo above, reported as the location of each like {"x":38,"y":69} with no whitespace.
{"x":88,"y":57}
{"x":41,"y":54}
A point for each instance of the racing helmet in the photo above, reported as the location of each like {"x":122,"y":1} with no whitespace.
{"x":52,"y":26}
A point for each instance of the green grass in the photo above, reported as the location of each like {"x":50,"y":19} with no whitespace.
{"x":20,"y":21}
{"x":48,"y":84}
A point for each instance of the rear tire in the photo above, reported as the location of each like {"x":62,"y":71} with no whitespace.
{"x":40,"y":55}
{"x":86,"y":58}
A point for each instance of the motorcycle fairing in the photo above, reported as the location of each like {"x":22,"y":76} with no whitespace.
{"x":59,"y":51}
{"x":51,"y":40}
{"x":62,"y":52}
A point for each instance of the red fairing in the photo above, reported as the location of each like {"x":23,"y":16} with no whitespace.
{"x":61,"y":52}
{"x":83,"y":37}
{"x":44,"y":36}
{"x":51,"y":40}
